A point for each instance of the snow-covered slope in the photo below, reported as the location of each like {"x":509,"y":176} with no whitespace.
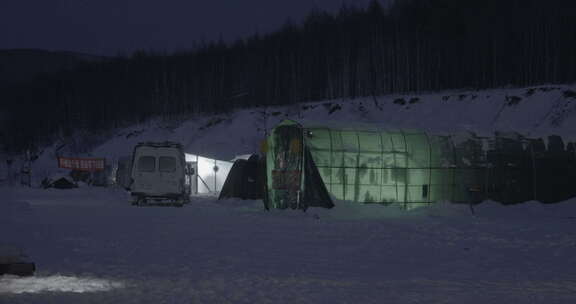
{"x":534,"y":111}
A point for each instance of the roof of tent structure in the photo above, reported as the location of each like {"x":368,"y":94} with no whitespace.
{"x":348,"y":126}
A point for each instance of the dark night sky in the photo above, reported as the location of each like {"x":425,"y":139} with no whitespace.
{"x":107,"y":27}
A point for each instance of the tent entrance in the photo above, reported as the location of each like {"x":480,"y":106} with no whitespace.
{"x":288,"y":164}
{"x":192,"y":177}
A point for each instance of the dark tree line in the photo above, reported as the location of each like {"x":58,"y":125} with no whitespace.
{"x":414,"y":45}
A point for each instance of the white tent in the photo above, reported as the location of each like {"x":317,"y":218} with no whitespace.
{"x":210,"y":174}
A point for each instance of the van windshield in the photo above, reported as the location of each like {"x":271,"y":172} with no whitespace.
{"x":166,"y":164}
{"x":146,"y":164}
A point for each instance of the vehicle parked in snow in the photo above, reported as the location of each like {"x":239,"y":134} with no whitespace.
{"x":159,"y":174}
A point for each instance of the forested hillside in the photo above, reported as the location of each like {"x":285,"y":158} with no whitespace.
{"x":412,"y":46}
{"x":23,"y":65}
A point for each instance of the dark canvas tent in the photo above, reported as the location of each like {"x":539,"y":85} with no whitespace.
{"x":63,"y":183}
{"x":245,"y":180}
{"x":60,"y":182}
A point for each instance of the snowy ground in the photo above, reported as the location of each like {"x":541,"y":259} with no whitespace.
{"x":91,"y":246}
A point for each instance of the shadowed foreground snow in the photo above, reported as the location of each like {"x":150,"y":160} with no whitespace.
{"x":91,"y":246}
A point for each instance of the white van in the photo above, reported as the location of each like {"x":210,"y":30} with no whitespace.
{"x":159,"y":174}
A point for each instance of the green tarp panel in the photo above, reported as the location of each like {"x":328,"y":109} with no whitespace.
{"x":375,"y":166}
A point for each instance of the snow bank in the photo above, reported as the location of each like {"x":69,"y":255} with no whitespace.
{"x":347,"y":210}
{"x":55,"y":283}
{"x":527,"y":210}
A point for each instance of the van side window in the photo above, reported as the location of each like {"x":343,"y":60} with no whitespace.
{"x":146,"y":163}
{"x":166,"y":164}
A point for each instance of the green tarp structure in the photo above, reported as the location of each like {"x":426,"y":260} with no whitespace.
{"x":309,"y":163}
{"x":361,"y":164}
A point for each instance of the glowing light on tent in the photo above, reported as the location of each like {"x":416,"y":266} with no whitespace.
{"x":56,"y":283}
{"x":211,"y":173}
